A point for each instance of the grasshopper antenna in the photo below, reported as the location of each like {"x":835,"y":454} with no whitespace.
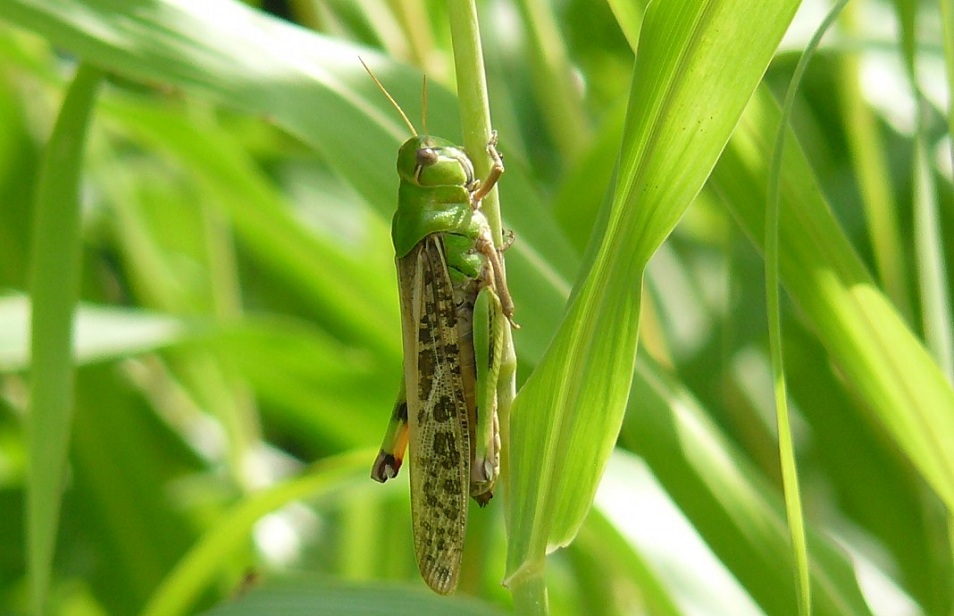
{"x":424,"y":103}
{"x":390,"y":98}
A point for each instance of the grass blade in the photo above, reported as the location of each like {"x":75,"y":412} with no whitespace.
{"x":54,"y":287}
{"x":786,"y":447}
{"x":684,"y":103}
{"x":885,"y":363}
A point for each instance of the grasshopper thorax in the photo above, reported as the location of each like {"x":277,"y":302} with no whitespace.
{"x":432,"y":161}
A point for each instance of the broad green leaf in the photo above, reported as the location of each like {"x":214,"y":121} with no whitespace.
{"x":696,"y":67}
{"x":100,"y":333}
{"x":301,"y":595}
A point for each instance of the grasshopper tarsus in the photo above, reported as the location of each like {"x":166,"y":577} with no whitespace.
{"x":509,"y":238}
{"x":496,"y":170}
{"x":483,"y":476}
{"x":495,"y":155}
{"x":385,"y":467}
{"x":483,"y":499}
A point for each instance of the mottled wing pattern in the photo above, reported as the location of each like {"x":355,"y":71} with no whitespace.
{"x":437,"y":414}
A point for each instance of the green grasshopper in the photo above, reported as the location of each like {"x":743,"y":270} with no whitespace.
{"x":450,"y":278}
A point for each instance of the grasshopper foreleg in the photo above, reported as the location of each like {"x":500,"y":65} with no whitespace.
{"x":498,"y":282}
{"x":496,"y":170}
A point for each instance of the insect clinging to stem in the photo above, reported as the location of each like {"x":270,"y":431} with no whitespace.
{"x":454,"y":299}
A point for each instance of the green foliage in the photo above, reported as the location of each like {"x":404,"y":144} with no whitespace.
{"x":222,"y":235}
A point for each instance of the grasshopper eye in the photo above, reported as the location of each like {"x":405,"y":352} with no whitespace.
{"x":426,"y":157}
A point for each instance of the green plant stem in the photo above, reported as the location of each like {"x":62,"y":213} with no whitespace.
{"x":477,"y":129}
{"x":530,"y":592}
{"x":474,"y":104}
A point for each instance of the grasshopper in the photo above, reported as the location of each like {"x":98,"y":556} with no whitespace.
{"x":453,"y":295}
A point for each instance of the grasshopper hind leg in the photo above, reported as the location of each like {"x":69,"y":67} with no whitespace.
{"x":485,"y":465}
{"x":394,"y":445}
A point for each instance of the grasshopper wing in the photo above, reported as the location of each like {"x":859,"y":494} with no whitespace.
{"x":437,"y":413}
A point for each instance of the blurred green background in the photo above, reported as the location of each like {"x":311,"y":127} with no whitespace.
{"x":237,"y":336}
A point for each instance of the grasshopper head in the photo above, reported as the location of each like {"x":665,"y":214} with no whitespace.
{"x":432,"y":161}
